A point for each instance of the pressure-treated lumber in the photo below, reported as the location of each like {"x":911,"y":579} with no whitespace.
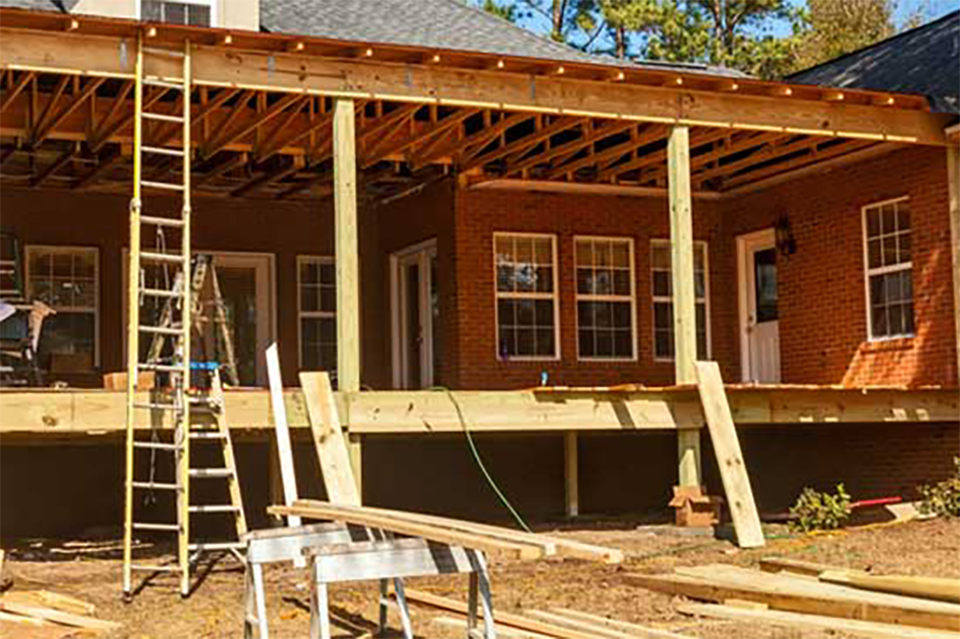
{"x":726,"y":447}
{"x":360,"y":517}
{"x":598,"y":626}
{"x":684,"y":299}
{"x":44,"y":598}
{"x":795,"y":620}
{"x":719,"y":583}
{"x":328,"y":439}
{"x":502,"y":631}
{"x":550,"y":545}
{"x":941,"y":589}
{"x":282,"y":430}
{"x":366,"y":78}
{"x":58,"y":616}
{"x":795,"y":566}
{"x":571,"y":474}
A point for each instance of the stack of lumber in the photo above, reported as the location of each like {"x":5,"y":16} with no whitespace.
{"x":38,"y":610}
{"x":557,"y":623}
{"x":493,"y":539}
{"x":801,"y":595}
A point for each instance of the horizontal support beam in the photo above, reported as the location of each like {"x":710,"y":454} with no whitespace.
{"x":111,"y":56}
{"x":88,"y":412}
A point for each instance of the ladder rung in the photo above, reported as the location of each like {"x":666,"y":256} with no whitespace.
{"x":162,"y":151}
{"x":211,"y":472}
{"x":156,"y":445}
{"x":207,"y":435}
{"x":156,"y":406}
{"x":166,"y":186}
{"x":169,"y":52}
{"x":161,"y":368}
{"x":161,"y":330}
{"x":156,"y":81}
{"x":162,"y":117}
{"x":148,"y":568}
{"x":152,"y":485}
{"x":161,"y":257}
{"x":214,"y":508}
{"x":159,"y":292}
{"x":161,"y":221}
{"x":217,"y":545}
{"x":163,"y":527}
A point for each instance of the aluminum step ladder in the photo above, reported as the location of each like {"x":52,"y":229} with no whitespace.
{"x":172,"y":404}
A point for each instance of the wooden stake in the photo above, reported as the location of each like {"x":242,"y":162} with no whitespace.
{"x":571,"y":473}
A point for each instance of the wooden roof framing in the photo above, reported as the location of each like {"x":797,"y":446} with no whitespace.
{"x":262,"y":115}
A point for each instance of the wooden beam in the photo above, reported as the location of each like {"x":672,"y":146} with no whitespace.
{"x":571,"y":474}
{"x":524,"y":144}
{"x":813,"y":155}
{"x":49,"y":109}
{"x":433,"y":137}
{"x":953,"y":184}
{"x":684,"y":298}
{"x":547,"y":186}
{"x":226,"y":135}
{"x":726,"y":447}
{"x":63,"y":160}
{"x":26,"y":78}
{"x":341,"y":484}
{"x":45,"y":127}
{"x":49,"y":414}
{"x":287,"y":169}
{"x":347,"y":259}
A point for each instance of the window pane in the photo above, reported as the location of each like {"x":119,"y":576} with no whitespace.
{"x":174,"y":13}
{"x":623,"y":344}
{"x":506,"y":282}
{"x":873,"y":223}
{"x":586,"y":343}
{"x":621,"y":282}
{"x":328,"y":299}
{"x":903,"y":216}
{"x":584,"y":253}
{"x":662,"y":284}
{"x":585,"y":281}
{"x":621,"y":254}
{"x":663,"y":344}
{"x":544,"y":281}
{"x":661,"y":255}
{"x":604,"y":344}
{"x":199,"y":15}
{"x":906,"y":254}
{"x":873,"y":254}
{"x":309,"y":298}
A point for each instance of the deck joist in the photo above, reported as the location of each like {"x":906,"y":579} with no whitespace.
{"x":38,"y":415}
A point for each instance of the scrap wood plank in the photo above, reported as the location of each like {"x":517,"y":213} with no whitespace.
{"x":502,"y":631}
{"x":618,"y":624}
{"x":601,"y":630}
{"x":550,"y":545}
{"x":329,"y":440}
{"x":941,"y":589}
{"x":800,"y":594}
{"x":360,"y":517}
{"x":51,"y":599}
{"x":726,"y":446}
{"x":27,"y":621}
{"x":501,"y":618}
{"x":795,"y":566}
{"x":798,"y":620}
{"x":57,"y":616}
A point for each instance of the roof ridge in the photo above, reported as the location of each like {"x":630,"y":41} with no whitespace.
{"x":878,"y":43}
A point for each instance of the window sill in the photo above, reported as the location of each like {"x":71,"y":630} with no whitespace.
{"x":885,"y":345}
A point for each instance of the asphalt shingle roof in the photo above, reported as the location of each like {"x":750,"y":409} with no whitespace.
{"x":925,"y":60}
{"x":440,"y":24}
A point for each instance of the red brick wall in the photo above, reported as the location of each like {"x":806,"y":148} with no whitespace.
{"x":481,"y":213}
{"x":823,"y":317}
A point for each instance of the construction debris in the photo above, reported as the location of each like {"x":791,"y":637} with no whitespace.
{"x":42,"y":608}
{"x":558,"y":623}
{"x":799,"y":593}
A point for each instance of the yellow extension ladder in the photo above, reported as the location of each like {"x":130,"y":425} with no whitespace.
{"x":195,"y":417}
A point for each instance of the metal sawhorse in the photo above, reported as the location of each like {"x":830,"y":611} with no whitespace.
{"x":339,"y":553}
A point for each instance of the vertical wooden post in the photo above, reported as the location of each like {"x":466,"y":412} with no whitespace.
{"x":953,"y":182}
{"x":684,"y":305}
{"x":571,"y":473}
{"x":347,"y":258}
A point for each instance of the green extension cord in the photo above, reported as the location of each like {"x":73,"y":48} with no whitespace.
{"x":479,"y":461}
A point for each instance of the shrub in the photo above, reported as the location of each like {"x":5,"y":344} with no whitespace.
{"x":943,"y":498}
{"x":820,"y":511}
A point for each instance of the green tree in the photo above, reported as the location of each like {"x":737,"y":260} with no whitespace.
{"x":831,"y":29}
{"x":508,"y":11}
{"x":734,"y":33}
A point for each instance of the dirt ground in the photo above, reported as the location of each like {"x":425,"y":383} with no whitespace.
{"x":215,"y":610}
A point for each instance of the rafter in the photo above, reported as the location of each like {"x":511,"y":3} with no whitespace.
{"x":110,"y":158}
{"x":108,"y":129}
{"x":656,"y":157}
{"x":386,"y":126}
{"x":571,"y":147}
{"x":65,"y":158}
{"x":16,"y":89}
{"x":228,"y":164}
{"x":222,"y":130}
{"x":649,"y":135}
{"x":779,"y":146}
{"x":265,"y":147}
{"x":51,"y":120}
{"x":262,"y":118}
{"x":812,"y":155}
{"x":525,"y":143}
{"x":468,"y":149}
{"x":434,"y":136}
{"x":295,"y":164}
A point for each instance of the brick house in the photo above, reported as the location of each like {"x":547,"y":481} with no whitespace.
{"x":505,"y":248}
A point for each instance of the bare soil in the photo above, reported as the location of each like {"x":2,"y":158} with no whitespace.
{"x":215,"y":610}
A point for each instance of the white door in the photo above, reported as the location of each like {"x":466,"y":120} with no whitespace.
{"x":415,"y":309}
{"x":759,"y":315}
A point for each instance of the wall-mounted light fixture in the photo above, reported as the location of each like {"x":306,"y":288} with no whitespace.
{"x":786,"y":243}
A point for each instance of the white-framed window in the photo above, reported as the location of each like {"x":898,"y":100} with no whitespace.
{"x":317,"y":312}
{"x":606,"y":317}
{"x":66,"y":278}
{"x":662,"y":287}
{"x":528,"y":323}
{"x":887,"y":256}
{"x":195,"y":13}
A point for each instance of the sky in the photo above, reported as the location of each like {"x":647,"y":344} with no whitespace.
{"x":929,"y":9}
